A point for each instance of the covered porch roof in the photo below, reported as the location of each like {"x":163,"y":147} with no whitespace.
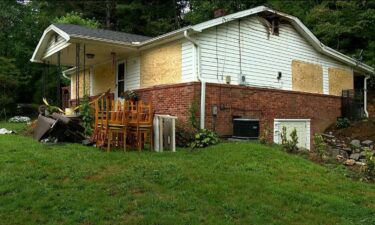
{"x":96,"y":44}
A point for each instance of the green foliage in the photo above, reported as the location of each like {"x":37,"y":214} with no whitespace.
{"x":75,"y":184}
{"x":370,"y":164}
{"x":204,"y":138}
{"x":320,"y":146}
{"x":193,"y":111}
{"x":77,"y":18}
{"x":9,"y":81}
{"x":86,"y":115}
{"x":342,"y":123}
{"x":131,"y":95}
{"x":185,"y":133}
{"x":289,"y":145}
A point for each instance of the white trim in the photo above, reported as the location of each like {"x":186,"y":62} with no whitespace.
{"x":292,"y":120}
{"x":277,"y":130}
{"x":116,"y":75}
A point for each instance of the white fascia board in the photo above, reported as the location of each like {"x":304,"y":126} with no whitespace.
{"x":77,"y":38}
{"x":225,"y":19}
{"x":37,"y":57}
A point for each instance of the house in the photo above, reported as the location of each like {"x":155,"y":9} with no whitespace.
{"x":258,"y":63}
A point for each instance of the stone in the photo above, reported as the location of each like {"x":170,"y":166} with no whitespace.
{"x":86,"y":142}
{"x":344,"y":154}
{"x":349,"y":162}
{"x":362,"y":154}
{"x":355,"y":143}
{"x":360,"y":164}
{"x":349,"y":150}
{"x":354,"y":156}
{"x":367,"y":142}
{"x":362,"y":160}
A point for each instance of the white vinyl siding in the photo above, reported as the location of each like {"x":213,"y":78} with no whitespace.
{"x":262,"y":58}
{"x":54,"y":45}
{"x":133,"y":73}
{"x":188,"y":60}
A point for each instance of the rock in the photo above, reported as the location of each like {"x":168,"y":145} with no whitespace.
{"x":362,"y":155}
{"x":349,"y":162}
{"x":360,"y":164}
{"x":340,"y":158}
{"x":86,"y":142}
{"x":362,"y":160}
{"x":367,"y":142}
{"x":354,"y":156}
{"x":348,"y":150}
{"x":344,"y":154}
{"x":355,"y":143}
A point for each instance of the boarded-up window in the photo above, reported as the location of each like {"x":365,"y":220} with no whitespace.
{"x":161,"y":65}
{"x":339,"y":79}
{"x":307,"y":77}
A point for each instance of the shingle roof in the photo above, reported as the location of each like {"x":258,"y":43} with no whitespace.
{"x":100,"y":33}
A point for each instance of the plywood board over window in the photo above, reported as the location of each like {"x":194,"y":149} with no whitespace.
{"x":161,"y":65}
{"x":339,"y":79}
{"x":307,"y":77}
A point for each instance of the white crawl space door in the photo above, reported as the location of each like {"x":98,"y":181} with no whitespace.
{"x":302,"y":127}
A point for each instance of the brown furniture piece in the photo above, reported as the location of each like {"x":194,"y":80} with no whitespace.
{"x":121,"y":123}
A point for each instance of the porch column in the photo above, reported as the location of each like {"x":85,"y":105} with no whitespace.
{"x":77,"y":72}
{"x":58,"y":102}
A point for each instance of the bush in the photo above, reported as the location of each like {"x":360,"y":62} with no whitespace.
{"x":204,"y":138}
{"x":185,"y":133}
{"x":86,"y":115}
{"x":131,"y":95}
{"x":320,"y":146}
{"x":289,"y":145}
{"x":370,"y":164}
{"x":342,"y":123}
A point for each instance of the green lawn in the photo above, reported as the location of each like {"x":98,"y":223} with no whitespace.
{"x":231,"y":183}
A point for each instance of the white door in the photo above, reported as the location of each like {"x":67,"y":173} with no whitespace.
{"x":120,"y":79}
{"x":302,"y":127}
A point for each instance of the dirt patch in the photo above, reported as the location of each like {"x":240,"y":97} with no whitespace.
{"x":361,"y":130}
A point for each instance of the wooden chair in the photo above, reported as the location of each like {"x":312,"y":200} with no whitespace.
{"x":117,"y":125}
{"x":144,"y":124}
{"x":102,"y":107}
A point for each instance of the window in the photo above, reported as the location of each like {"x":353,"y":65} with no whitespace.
{"x":120,"y":79}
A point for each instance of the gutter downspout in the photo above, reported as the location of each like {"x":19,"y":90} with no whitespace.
{"x":197,"y":70}
{"x":365,"y":96}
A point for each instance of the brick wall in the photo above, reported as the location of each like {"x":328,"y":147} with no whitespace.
{"x":233,"y":100}
{"x":266,"y":105}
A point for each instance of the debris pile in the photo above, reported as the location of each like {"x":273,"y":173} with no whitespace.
{"x":5,"y":131}
{"x":58,"y":128}
{"x":19,"y":119}
{"x":347,"y":150}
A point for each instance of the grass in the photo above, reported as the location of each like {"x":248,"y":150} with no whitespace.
{"x":231,"y":183}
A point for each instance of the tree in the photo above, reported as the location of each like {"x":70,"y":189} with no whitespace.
{"x":77,"y":18}
{"x":9,"y":80}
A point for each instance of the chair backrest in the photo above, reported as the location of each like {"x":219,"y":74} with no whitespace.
{"x":145,"y":113}
{"x":102,"y":107}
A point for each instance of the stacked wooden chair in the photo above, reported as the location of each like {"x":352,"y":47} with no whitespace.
{"x":122,"y":123}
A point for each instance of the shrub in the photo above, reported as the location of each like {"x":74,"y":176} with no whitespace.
{"x":320,"y":146}
{"x":86,"y":115}
{"x":193,"y":111}
{"x":342,"y":123}
{"x":204,"y":138}
{"x":289,"y":145}
{"x":185,"y":133}
{"x":370,"y":164}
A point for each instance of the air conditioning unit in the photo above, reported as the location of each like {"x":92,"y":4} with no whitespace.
{"x":245,"y":128}
{"x":242,"y":79}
